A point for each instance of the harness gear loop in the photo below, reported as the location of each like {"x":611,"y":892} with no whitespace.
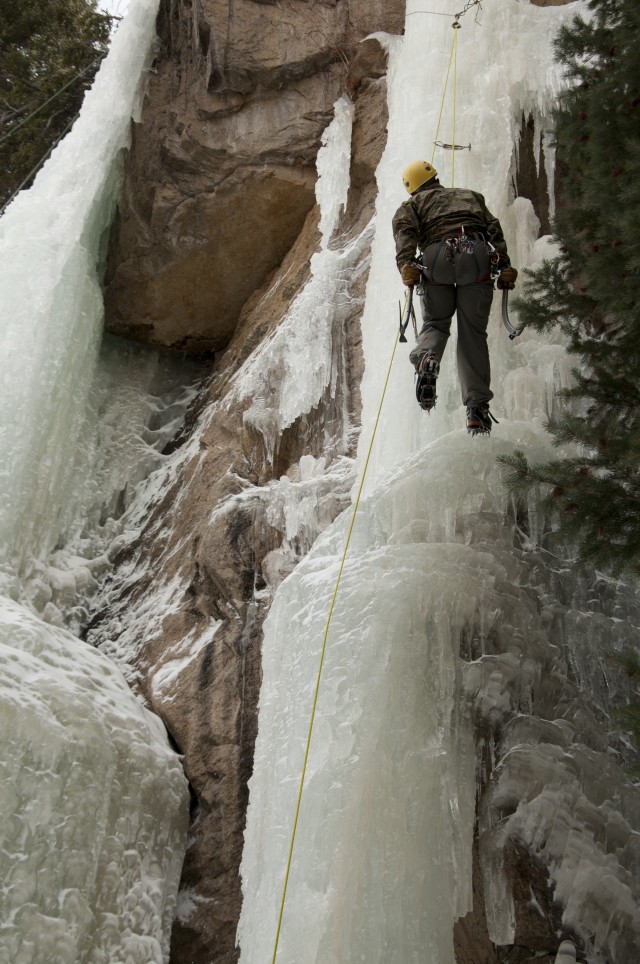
{"x":324,"y":648}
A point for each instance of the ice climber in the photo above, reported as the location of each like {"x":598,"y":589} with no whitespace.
{"x":462,"y":249}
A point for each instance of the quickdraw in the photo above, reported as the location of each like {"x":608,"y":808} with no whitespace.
{"x":452,"y":147}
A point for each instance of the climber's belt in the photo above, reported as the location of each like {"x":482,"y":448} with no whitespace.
{"x":477,"y":235}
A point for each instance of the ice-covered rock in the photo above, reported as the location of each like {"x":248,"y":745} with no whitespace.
{"x":93,"y":801}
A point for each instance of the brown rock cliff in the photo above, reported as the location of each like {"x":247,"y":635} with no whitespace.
{"x":221,"y":172}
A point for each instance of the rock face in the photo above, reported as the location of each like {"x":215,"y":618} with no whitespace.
{"x":221,"y":174}
{"x":216,"y":229}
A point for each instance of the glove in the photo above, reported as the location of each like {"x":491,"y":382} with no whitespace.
{"x":410,"y":274}
{"x":507,"y":278}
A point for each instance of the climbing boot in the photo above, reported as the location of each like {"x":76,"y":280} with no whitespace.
{"x":479,"y":420}
{"x":427,"y":371}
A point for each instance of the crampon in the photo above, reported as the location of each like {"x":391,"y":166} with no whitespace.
{"x":479,"y":420}
{"x":426,"y":376}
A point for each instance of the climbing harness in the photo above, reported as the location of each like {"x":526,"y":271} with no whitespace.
{"x":494,"y":261}
{"x":462,"y":243}
{"x":324,"y":649}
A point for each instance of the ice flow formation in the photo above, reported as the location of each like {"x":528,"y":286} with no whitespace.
{"x":434,"y":622}
{"x":94,"y":801}
{"x":381,"y":865}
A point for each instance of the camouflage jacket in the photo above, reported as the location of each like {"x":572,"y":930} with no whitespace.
{"x":436,"y":211}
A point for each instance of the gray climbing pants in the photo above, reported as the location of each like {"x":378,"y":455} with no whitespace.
{"x":458,"y":281}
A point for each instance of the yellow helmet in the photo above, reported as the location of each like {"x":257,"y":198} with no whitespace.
{"x":416,"y":174}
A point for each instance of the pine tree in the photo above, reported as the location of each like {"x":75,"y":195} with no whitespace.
{"x":627,"y":718}
{"x":591,"y":291}
{"x":45,"y":45}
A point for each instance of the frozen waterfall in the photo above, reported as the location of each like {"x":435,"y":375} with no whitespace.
{"x":93,"y":799}
{"x":382,"y":862}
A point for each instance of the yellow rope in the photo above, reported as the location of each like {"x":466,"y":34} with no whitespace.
{"x":324,"y":649}
{"x":446,"y":83}
{"x":452,"y":59}
{"x":455,"y":90}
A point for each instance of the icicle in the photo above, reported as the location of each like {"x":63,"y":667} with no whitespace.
{"x":549,"y":152}
{"x":287,"y":376}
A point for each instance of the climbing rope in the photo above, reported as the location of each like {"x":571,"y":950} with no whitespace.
{"x":439,"y":13}
{"x":324,"y":649}
{"x":455,"y":92}
{"x":444,"y":94}
{"x":452,"y":60}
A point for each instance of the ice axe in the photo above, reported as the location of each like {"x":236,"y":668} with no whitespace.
{"x":513,"y":332}
{"x":407,"y":314}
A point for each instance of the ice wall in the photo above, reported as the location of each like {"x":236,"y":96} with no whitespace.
{"x":93,"y":799}
{"x":135,"y":404}
{"x":53,"y":247}
{"x":93,"y":806}
{"x":381,"y":865}
{"x":505,"y":69}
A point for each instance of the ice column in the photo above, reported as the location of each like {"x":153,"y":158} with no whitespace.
{"x":52,"y":247}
